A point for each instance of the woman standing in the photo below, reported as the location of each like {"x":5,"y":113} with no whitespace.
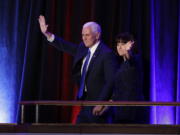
{"x":128,"y":82}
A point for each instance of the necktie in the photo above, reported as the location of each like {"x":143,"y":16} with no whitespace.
{"x":83,"y":76}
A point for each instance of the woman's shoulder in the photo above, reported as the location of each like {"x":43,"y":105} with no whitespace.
{"x":135,"y":60}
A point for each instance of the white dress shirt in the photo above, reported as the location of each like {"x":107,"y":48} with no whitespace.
{"x":92,"y":50}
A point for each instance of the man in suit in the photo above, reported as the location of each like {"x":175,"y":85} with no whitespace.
{"x":93,"y":68}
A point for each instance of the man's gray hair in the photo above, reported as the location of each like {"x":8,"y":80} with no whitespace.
{"x":94,"y":26}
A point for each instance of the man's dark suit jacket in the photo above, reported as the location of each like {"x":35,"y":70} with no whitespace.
{"x":101,"y":69}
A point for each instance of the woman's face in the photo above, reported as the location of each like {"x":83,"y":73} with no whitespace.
{"x":123,"y":48}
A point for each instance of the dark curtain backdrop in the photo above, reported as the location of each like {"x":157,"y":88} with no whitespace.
{"x":33,"y":70}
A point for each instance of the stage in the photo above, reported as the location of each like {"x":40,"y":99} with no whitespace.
{"x":69,"y":129}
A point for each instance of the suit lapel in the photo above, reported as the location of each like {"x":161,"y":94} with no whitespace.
{"x":78,"y":60}
{"x":93,"y":59}
{"x":81,"y":54}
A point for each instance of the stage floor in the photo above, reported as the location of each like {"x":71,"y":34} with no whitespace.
{"x":70,"y":129}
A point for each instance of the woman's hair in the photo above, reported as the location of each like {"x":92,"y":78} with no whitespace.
{"x":124,"y":38}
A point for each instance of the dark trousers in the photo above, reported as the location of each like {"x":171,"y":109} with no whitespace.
{"x":130,"y":115}
{"x":86,"y":116}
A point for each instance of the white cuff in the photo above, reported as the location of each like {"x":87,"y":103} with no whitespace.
{"x":51,"y":39}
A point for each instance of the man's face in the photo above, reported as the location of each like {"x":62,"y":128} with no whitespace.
{"x":89,"y":38}
{"x":123,"y":48}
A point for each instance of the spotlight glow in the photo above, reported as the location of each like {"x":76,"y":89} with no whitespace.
{"x":7,"y":92}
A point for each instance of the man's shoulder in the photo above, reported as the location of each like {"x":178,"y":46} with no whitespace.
{"x":104,"y":47}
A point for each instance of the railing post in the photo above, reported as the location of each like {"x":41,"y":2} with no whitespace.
{"x":37,"y":113}
{"x":22,"y":114}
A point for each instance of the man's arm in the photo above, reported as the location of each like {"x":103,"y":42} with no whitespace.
{"x":55,"y":41}
{"x":110,"y":68}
